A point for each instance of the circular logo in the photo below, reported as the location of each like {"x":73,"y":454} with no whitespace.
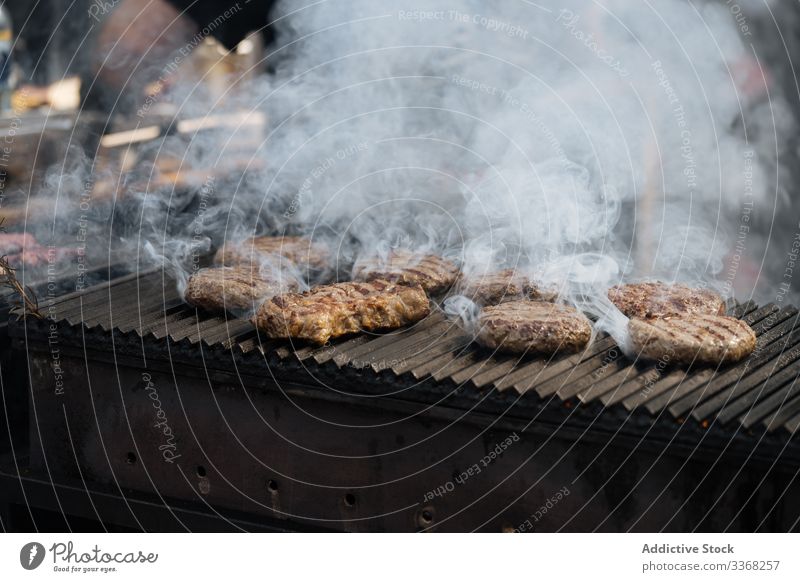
{"x":31,"y":555}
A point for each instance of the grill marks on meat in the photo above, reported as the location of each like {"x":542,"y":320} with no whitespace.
{"x":651,"y":300}
{"x":299,"y":251}
{"x":434,"y":273}
{"x":533,"y":326}
{"x":677,"y":324}
{"x":505,"y":285}
{"x":331,"y":311}
{"x":233,"y":288}
{"x":709,"y":339}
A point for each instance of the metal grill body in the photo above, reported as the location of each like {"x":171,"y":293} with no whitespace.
{"x":416,"y":429}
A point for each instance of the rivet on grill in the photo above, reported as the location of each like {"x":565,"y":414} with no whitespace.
{"x":349,"y":499}
{"x":131,"y":458}
{"x":426,"y":516}
{"x":201,"y":471}
{"x":272,"y":485}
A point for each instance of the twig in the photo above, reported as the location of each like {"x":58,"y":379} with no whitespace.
{"x":27,"y":304}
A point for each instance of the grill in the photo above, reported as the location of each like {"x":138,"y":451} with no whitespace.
{"x":639,"y":445}
{"x":758,"y":391}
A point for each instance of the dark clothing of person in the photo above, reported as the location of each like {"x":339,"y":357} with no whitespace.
{"x":229,"y":22}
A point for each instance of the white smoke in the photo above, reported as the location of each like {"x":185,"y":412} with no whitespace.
{"x":599,"y":127}
{"x":583,"y":142}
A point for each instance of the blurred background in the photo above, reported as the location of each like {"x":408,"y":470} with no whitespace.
{"x":91,"y":101}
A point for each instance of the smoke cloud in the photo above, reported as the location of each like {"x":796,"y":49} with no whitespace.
{"x":581,"y":142}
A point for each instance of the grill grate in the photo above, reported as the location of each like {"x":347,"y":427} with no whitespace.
{"x":760,"y":390}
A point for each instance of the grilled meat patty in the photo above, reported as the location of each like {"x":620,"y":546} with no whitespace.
{"x":711,"y":339}
{"x":434,"y":273}
{"x":650,"y":300}
{"x":233,"y":288}
{"x":505,"y":285}
{"x":331,"y":311}
{"x":533,"y":326}
{"x":297,"y":250}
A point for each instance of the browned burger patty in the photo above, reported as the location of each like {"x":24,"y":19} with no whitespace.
{"x":649,"y":300}
{"x":298,"y":250}
{"x":331,"y":311}
{"x":711,"y":339}
{"x":506,"y":285}
{"x":435,"y":274}
{"x":233,"y":288}
{"x":533,"y":326}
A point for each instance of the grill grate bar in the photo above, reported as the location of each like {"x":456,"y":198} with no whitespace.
{"x":70,"y":304}
{"x":250,"y":343}
{"x":310,"y":351}
{"x":643,"y":382}
{"x":284,"y":351}
{"x":158,"y":322}
{"x":223,"y":330}
{"x":286,"y":347}
{"x":531,"y":379}
{"x":527,"y":370}
{"x":532,"y":372}
{"x":388,"y":339}
{"x":778,"y":401}
{"x":98,"y":307}
{"x":418,"y":351}
{"x":453,"y":340}
{"x":793,"y":425}
{"x":131,"y":311}
{"x":137,"y":320}
{"x":656,"y":398}
{"x":720,"y":381}
{"x":147,"y":306}
{"x":305,"y":352}
{"x":599,"y":368}
{"x":742,"y":310}
{"x":408,"y":347}
{"x":609,"y":385}
{"x":432,"y":367}
{"x":325,"y":354}
{"x":178,"y":321}
{"x":762,"y":389}
{"x":760,"y":314}
{"x":193,"y":333}
{"x":661,"y":383}
{"x":265,"y":345}
{"x":782,"y":415}
{"x":468,"y":358}
{"x":97,"y":298}
{"x":728,"y":405}
{"x":481,"y":379}
{"x":466,"y":374}
{"x":405,"y":347}
{"x":678,"y":384}
{"x":235,"y":340}
{"x":640,"y":388}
